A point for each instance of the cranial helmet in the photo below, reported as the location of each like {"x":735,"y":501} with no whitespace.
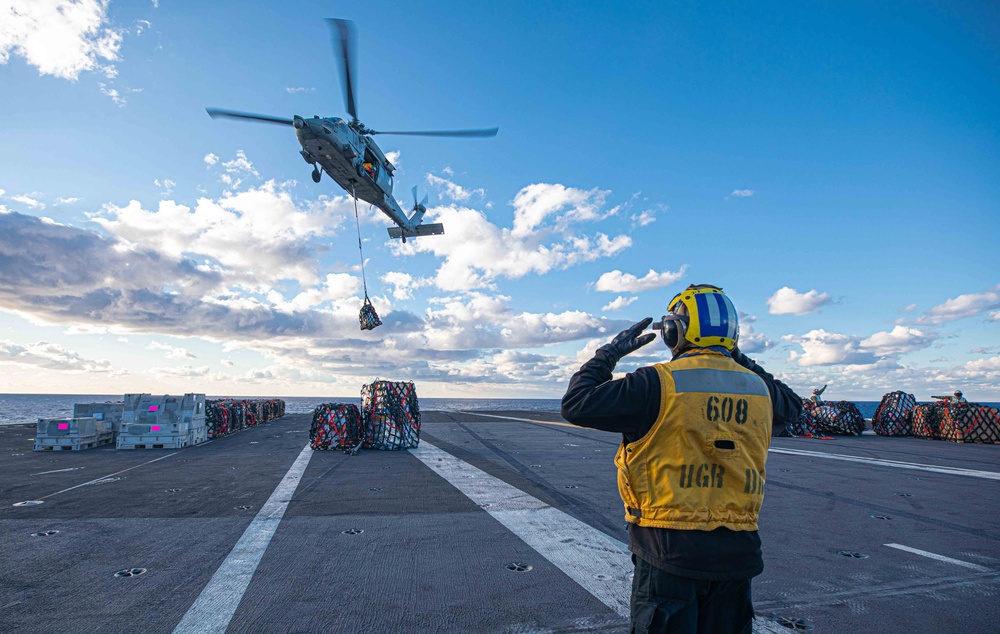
{"x":711,"y":319}
{"x":958,"y":392}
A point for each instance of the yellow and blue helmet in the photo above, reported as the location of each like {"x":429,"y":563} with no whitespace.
{"x":711,"y":318}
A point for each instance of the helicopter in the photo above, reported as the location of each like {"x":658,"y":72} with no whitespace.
{"x":346,"y":151}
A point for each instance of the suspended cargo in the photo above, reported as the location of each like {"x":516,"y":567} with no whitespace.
{"x":894,"y":415}
{"x":164,"y":422}
{"x":391,"y":415}
{"x":73,"y":434}
{"x":336,"y":426}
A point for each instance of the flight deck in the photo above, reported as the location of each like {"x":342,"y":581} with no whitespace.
{"x":498,"y":522}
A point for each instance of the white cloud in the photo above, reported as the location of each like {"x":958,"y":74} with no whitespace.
{"x":995,"y":315}
{"x":618,"y":303}
{"x":967,"y":305}
{"x":67,"y":201}
{"x":828,"y":348}
{"x":60,"y":37}
{"x":25,"y":199}
{"x":50,"y":356}
{"x":393,"y":157}
{"x":618,"y":282}
{"x":535,"y":203}
{"x":240,"y":164}
{"x":113,"y":93}
{"x":404,"y":284}
{"x":298,"y":89}
{"x":227,"y":363}
{"x":788,"y":301}
{"x":451,"y":190}
{"x":742,"y":193}
{"x":644,"y":218}
{"x":211,"y":159}
{"x":477,"y":251}
{"x":253,"y":237}
{"x":336,"y":286}
{"x":166,"y":185}
{"x":172,"y":352}
{"x":896,"y":342}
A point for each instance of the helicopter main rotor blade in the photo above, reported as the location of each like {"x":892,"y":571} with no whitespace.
{"x":479,"y":133}
{"x":216,"y":113}
{"x":343,"y":34}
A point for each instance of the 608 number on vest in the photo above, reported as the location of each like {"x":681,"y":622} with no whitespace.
{"x":725,"y":409}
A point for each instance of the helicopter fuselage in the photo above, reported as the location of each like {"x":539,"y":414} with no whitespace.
{"x":358,"y":165}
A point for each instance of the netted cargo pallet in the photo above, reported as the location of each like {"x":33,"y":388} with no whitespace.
{"x":927,"y":420}
{"x":803,"y":426}
{"x":970,"y":422}
{"x":894,"y":415}
{"x":72,"y":434}
{"x":391,"y":415}
{"x":337,"y":426}
{"x":837,"y":417}
{"x":227,"y":415}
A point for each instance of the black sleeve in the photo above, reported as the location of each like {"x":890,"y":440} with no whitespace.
{"x":786,"y":404}
{"x":629,"y":405}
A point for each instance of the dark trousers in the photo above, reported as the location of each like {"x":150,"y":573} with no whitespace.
{"x":663,"y":603}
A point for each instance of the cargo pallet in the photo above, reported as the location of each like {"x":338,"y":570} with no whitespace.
{"x":73,"y":434}
{"x":153,"y":440}
{"x":73,"y":444}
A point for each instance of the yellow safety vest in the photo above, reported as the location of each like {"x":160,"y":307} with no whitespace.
{"x":701,"y":465}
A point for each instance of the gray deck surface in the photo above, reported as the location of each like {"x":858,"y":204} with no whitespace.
{"x":430,"y":559}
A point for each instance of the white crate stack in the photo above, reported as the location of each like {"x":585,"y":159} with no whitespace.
{"x":162,"y":422}
{"x":73,"y":434}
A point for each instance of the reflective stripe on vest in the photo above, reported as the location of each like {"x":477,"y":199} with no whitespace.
{"x":701,"y":465}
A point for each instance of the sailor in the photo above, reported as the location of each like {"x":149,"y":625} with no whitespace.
{"x":695,"y":434}
{"x":957,"y":398}
{"x":817,"y":393}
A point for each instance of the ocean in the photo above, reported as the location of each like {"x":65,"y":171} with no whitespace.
{"x":28,"y":408}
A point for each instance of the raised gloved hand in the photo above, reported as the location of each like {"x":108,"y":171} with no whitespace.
{"x":628,"y":341}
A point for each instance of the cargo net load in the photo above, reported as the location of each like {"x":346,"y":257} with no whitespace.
{"x":894,"y":415}
{"x":337,"y":426}
{"x":227,"y":416}
{"x":836,"y":417}
{"x":368,"y":317}
{"x":804,"y":426}
{"x":391,"y":415}
{"x":957,"y":422}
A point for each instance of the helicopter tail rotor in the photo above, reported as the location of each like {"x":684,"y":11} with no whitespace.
{"x":419,"y":208}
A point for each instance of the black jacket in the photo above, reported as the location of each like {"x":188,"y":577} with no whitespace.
{"x":630,"y":406}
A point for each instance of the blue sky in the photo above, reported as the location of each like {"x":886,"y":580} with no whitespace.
{"x":833,"y":166}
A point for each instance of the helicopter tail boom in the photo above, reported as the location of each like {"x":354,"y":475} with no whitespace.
{"x":435,"y":229}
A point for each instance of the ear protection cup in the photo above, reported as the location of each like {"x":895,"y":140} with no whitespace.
{"x":672,"y":331}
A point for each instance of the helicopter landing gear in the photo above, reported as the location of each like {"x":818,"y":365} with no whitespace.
{"x":316,"y":174}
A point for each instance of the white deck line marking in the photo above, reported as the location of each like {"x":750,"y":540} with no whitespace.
{"x":957,"y":562}
{"x":972,"y":473}
{"x":214,"y":608}
{"x":594,"y":560}
{"x":105,"y":477}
